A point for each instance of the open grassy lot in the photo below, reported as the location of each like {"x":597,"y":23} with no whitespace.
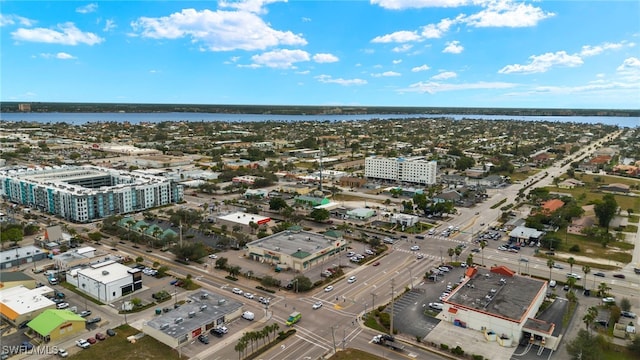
{"x":117,"y":347}
{"x":355,"y":354}
{"x":590,"y":191}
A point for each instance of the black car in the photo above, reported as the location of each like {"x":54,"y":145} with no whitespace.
{"x":217,"y":333}
{"x":94,"y":320}
{"x":600,"y":274}
{"x":110,"y":332}
{"x":619,"y":276}
{"x":203,"y":339}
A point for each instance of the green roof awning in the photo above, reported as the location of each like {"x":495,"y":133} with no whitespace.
{"x":50,"y":319}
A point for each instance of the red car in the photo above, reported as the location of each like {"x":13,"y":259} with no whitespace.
{"x":376,"y":263}
{"x":100,"y":336}
{"x":92,"y":340}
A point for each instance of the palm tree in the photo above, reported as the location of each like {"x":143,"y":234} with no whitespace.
{"x":590,"y":316}
{"x":458,"y":251}
{"x":483,"y":244}
{"x":451,"y":252}
{"x":274,"y":328}
{"x":550,"y":264}
{"x":603,"y":289}
{"x":571,"y":261}
{"x":586,"y":269}
{"x":264,"y":333}
{"x":240,"y":347}
{"x":571,"y":282}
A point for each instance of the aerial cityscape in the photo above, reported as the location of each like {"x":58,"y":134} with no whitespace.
{"x":292,"y":180}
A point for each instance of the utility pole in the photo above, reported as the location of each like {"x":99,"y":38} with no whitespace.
{"x":392,"y":301}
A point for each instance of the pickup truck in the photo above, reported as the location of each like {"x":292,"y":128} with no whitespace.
{"x":389,"y":341}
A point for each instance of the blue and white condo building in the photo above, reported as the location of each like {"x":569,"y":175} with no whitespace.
{"x":87,"y":193}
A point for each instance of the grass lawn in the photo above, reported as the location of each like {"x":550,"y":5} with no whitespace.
{"x":594,"y":250}
{"x":355,"y":354}
{"x":117,"y":347}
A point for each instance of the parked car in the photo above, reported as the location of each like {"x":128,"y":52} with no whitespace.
{"x":217,"y":332}
{"x":85,"y":313}
{"x":82,"y":343}
{"x":236,"y":291}
{"x":94,"y":320}
{"x":111,"y":332}
{"x":92,"y":340}
{"x":100,"y":336}
{"x":62,"y":305}
{"x":248,"y":295}
{"x":628,"y":314}
{"x":62,"y":353}
{"x":26,"y":346}
{"x":213,"y":256}
{"x":203,"y":338}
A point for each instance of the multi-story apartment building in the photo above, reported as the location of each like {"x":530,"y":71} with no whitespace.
{"x":87,"y":193}
{"x":413,"y":170}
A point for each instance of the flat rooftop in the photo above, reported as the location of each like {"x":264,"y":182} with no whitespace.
{"x":205,"y":307}
{"x":107,"y":271}
{"x":295,"y":242}
{"x":496,"y":294}
{"x":22,"y":300}
{"x":245,"y":218}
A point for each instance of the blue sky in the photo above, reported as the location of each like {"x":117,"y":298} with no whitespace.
{"x":460,"y":53}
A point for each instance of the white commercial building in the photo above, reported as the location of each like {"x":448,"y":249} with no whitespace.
{"x":87,"y":193}
{"x":414,"y":170}
{"x":107,"y":281}
{"x":19,"y":304}
{"x":502,"y":305}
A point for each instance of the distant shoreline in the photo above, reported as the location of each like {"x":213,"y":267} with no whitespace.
{"x":46,"y":107}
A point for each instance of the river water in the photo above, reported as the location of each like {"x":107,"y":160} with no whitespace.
{"x":136,"y":118}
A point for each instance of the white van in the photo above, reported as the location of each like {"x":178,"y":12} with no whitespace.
{"x":248,"y":315}
{"x":436,"y":306}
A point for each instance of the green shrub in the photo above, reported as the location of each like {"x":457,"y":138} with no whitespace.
{"x":477,"y":357}
{"x":575,"y":248}
{"x":457,"y":350}
{"x":444,"y":346}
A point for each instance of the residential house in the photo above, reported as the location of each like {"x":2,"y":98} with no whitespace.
{"x":616,"y":187}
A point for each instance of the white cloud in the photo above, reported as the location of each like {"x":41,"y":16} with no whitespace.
{"x":64,"y":56}
{"x":109,"y":25}
{"x":629,"y":70}
{"x":436,"y":31}
{"x":417,"y":4}
{"x":453,"y":47}
{"x":306,"y":19}
{"x":544,"y":62}
{"x":218,"y":30}
{"x":589,"y":50}
{"x":327,"y":79}
{"x":281,"y":59}
{"x":89,"y":8}
{"x":444,"y":75}
{"x":69,"y":34}
{"x":435,"y":87}
{"x":304,"y":72}
{"x":402,"y":48}
{"x":629,"y":63}
{"x":325,"y":58}
{"x":386,"y":74}
{"x":424,"y":67}
{"x":6,"y":20}
{"x":252,"y":6}
{"x":396,"y":62}
{"x":60,"y":55}
{"x":506,"y":13}
{"x":397,"y":37}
